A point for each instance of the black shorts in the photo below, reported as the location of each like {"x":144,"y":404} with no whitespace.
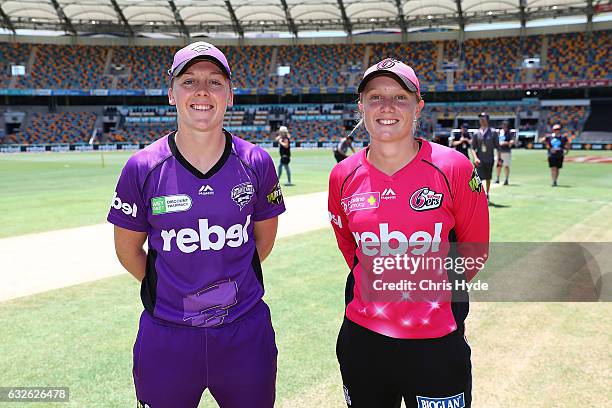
{"x":339,"y":156}
{"x":555,"y":161}
{"x":485,"y":170}
{"x":285,"y":159}
{"x":379,"y":371}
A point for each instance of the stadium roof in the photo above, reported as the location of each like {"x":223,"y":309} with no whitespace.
{"x":192,"y":18}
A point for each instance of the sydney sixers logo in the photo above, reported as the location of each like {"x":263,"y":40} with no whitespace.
{"x":425,"y":199}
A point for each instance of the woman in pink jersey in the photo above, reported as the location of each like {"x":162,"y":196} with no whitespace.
{"x":405,"y":199}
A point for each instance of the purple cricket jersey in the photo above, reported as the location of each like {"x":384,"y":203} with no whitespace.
{"x":202,"y":265}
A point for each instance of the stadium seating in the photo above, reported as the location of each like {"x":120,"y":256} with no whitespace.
{"x":571,"y":118}
{"x":12,"y":53}
{"x":63,"y":127}
{"x":319,"y":65}
{"x":570,"y":56}
{"x":494,"y":60}
{"x":575,"y":56}
{"x":65,"y":67}
{"x":421,"y":56}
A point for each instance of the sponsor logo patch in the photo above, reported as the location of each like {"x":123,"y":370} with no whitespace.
{"x":425,"y":199}
{"x":242,"y":194}
{"x":170,"y":204}
{"x":456,"y":401}
{"x":361,"y":201}
{"x":126,"y":208}
{"x":475,"y":183}
{"x":276,"y":195}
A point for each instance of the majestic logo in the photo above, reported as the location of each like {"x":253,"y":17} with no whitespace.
{"x":386,"y":64}
{"x":425,"y":199}
{"x":242,"y":194}
{"x":379,"y":244}
{"x":206,"y":190}
{"x":456,"y":401}
{"x":335,"y":219}
{"x":188,"y":240}
{"x":170,"y":204}
{"x":361,"y":201}
{"x":127,"y":209}
{"x":347,"y":397}
{"x":475,"y":183}
{"x":276,"y":195}
{"x":388,"y":194}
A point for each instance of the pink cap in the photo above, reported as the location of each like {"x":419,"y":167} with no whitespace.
{"x":394,"y":68}
{"x":201,"y":51}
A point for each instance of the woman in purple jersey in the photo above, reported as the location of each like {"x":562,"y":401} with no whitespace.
{"x":207,"y":203}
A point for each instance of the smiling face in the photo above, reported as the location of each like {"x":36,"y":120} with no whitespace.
{"x":388,"y":109}
{"x":201,"y":94}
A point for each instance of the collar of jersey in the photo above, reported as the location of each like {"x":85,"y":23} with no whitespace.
{"x":189,"y":167}
{"x":400,"y":172}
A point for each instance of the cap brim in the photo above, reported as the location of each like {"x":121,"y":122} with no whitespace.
{"x":405,"y":82}
{"x":180,"y":68}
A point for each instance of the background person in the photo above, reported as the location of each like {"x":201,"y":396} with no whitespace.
{"x":506,"y":142}
{"x":484,"y":143}
{"x":284,"y":150}
{"x":558,"y":146}
{"x":341,"y":149}
{"x":462,"y":140}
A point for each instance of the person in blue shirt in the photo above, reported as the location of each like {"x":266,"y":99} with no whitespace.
{"x":558,"y":147}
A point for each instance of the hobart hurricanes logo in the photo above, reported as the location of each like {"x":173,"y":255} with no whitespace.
{"x":425,"y":199}
{"x":242,"y":193}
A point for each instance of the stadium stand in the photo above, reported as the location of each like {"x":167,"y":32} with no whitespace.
{"x":568,"y":56}
{"x":66,"y":66}
{"x":62,"y":127}
{"x":494,"y":60}
{"x":12,"y":54}
{"x":307,"y":122}
{"x":319,"y":65}
{"x":571,"y":118}
{"x":420,"y":55}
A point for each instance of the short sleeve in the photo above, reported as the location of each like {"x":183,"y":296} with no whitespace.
{"x":127,"y":209}
{"x":270,"y":202}
{"x":339,"y":221}
{"x":471,"y":213}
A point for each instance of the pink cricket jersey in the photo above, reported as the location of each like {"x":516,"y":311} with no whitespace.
{"x":434,"y":200}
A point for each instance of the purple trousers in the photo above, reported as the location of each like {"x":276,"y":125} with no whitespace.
{"x":173,"y":365}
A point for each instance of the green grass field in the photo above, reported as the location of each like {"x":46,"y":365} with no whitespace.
{"x":524,"y":354}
